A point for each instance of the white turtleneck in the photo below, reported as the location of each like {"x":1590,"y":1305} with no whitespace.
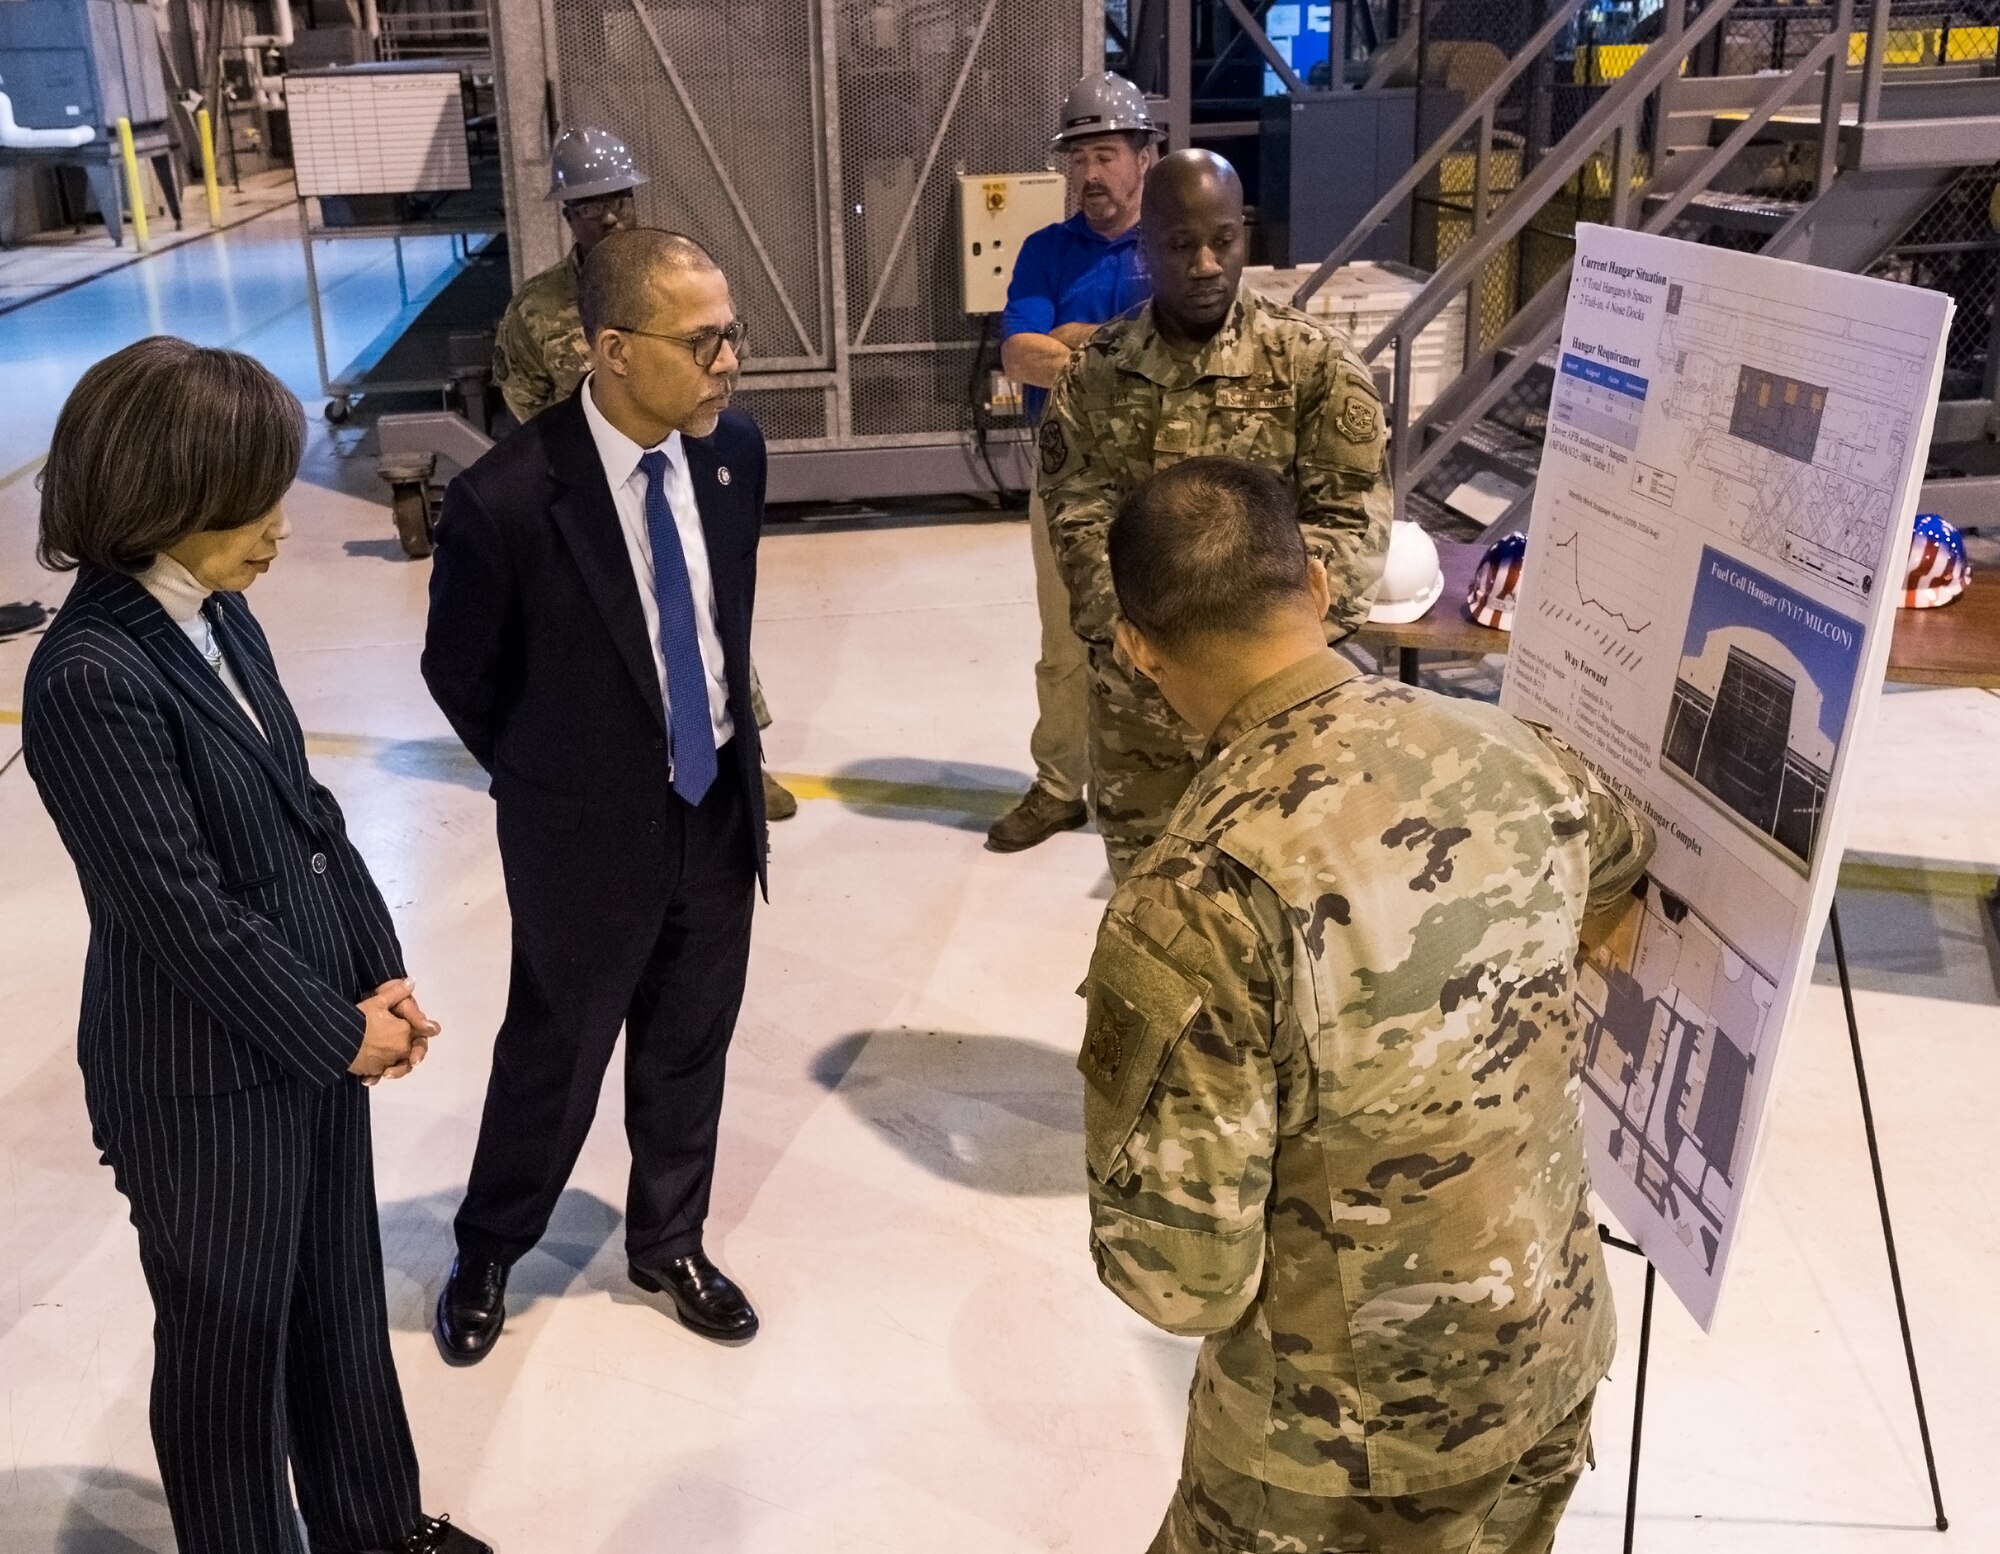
{"x":181,"y":595}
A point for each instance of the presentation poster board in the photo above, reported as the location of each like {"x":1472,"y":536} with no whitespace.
{"x":1717,"y":549}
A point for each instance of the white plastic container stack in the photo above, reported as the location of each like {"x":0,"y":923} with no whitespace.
{"x":1361,"y":297}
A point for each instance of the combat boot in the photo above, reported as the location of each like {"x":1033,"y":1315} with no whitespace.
{"x":779,"y":801}
{"x":1039,"y":816}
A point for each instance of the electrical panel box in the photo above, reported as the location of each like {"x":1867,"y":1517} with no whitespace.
{"x":996,"y":213}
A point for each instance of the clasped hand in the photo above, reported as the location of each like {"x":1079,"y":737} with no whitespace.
{"x":398,"y":1034}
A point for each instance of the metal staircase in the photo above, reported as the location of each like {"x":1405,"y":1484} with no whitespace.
{"x":1827,"y":161}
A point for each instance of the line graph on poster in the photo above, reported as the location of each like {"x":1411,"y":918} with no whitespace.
{"x":1598,"y":595}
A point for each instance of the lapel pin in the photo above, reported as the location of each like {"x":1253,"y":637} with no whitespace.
{"x":722,"y":474}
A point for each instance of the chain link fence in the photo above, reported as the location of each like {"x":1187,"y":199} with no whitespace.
{"x":1955,"y":247}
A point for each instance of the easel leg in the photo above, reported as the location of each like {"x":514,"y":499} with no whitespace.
{"x":1639,"y":1413}
{"x":1888,"y":1231}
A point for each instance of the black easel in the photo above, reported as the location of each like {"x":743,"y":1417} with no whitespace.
{"x":1888,"y":1245}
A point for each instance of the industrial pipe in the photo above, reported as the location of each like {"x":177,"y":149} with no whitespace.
{"x":19,"y":137}
{"x":284,"y":37}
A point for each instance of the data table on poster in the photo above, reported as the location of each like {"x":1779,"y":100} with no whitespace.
{"x":1600,"y":400}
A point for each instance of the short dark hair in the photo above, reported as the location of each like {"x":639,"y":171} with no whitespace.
{"x":615,"y":292}
{"x":1207,"y":546}
{"x":160,"y":441}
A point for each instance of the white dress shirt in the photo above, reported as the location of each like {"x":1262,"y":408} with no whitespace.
{"x":620,"y":456}
{"x":181,"y":595}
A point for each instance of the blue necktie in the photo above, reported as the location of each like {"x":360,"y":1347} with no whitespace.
{"x":691,"y":735}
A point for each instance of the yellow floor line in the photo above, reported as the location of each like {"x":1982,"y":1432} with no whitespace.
{"x":1858,"y":871}
{"x":863,"y":792}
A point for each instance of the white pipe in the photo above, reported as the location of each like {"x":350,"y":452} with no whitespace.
{"x":284,"y":37}
{"x":371,"y":21}
{"x":18,"y":137}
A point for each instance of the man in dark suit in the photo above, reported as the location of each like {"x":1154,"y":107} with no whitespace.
{"x":589,"y":640}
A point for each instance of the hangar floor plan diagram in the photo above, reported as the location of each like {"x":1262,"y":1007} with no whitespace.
{"x":1795,"y":424}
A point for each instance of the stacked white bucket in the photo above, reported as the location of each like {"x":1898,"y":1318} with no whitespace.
{"x":1359,"y":298}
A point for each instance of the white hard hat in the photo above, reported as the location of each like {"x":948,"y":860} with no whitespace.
{"x":1412,"y":579}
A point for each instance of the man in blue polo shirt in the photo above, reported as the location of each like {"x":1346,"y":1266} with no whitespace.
{"x":1070,"y":278}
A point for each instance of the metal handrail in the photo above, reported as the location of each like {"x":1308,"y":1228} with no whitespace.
{"x":1538,"y":325}
{"x":1478,"y":110}
{"x":1661,"y":59}
{"x":1543,"y":310}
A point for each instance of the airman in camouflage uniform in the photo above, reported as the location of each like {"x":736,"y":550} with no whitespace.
{"x":1267,"y":384}
{"x":1332,"y":1115}
{"x":539,"y":353}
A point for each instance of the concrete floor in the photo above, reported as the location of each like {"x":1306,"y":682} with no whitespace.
{"x":55,"y":261}
{"x":899,"y":1186}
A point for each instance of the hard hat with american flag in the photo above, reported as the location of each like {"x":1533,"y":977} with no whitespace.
{"x":1497,"y":583}
{"x":1938,"y":571}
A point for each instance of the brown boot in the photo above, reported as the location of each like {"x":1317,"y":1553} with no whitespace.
{"x":1039,"y":816}
{"x":779,"y":803}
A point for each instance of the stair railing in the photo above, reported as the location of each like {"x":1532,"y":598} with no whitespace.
{"x":1416,"y":446}
{"x":1537,"y":326}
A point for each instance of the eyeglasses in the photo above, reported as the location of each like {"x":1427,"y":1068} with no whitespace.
{"x":593,"y":206}
{"x":704,"y":345}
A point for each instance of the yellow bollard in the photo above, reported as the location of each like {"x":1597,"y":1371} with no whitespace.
{"x":133,"y":189}
{"x":207,"y":128}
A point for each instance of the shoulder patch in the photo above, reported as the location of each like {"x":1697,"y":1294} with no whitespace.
{"x":1359,"y":418}
{"x":1055,"y":447}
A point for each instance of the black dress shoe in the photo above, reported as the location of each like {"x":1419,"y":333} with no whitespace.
{"x":471,"y":1309}
{"x":436,"y":1535}
{"x":707,"y":1298}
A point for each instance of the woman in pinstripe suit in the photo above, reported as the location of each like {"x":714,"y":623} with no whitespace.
{"x":243,"y":982}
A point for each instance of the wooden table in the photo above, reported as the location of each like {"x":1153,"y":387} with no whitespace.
{"x":1447,"y":628}
{"x":1957,"y":644}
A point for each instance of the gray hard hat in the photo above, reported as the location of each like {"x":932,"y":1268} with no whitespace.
{"x":1104,"y":104}
{"x":587,"y":161}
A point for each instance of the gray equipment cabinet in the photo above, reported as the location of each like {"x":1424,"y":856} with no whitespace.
{"x":811,"y":145}
{"x":71,"y":63}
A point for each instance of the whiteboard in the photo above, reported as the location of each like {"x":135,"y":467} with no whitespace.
{"x":357,"y":132}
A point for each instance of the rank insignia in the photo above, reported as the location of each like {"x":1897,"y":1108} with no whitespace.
{"x":1104,"y":1049}
{"x":1357,"y":419}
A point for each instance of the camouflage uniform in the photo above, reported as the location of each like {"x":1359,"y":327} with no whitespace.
{"x":1273,"y":387}
{"x":1332,"y":1117}
{"x":539,"y":354}
{"x":539,"y":357}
